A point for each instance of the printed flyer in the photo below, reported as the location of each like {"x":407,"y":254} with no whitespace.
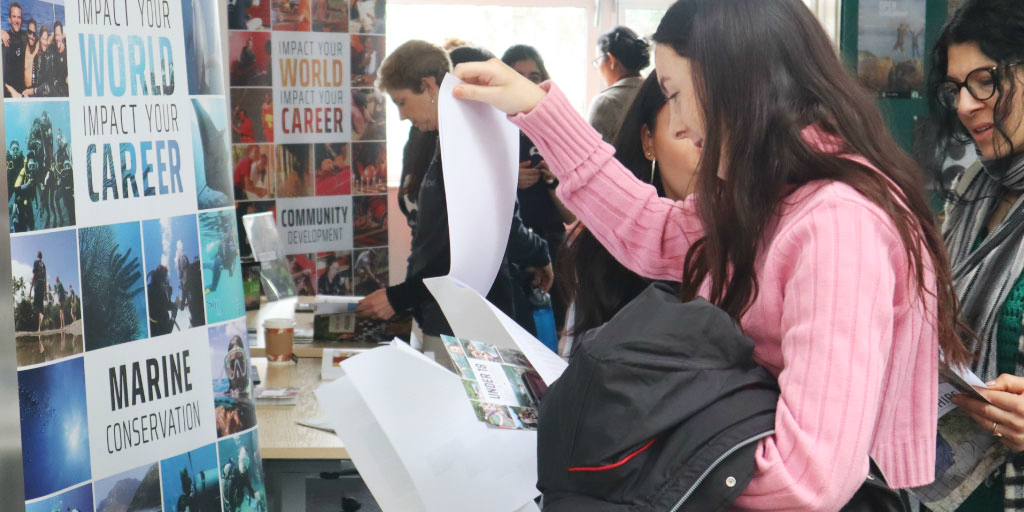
{"x":132,"y":354}
{"x":307,"y":133}
{"x":501,"y":384}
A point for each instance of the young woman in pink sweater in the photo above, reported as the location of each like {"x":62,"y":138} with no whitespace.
{"x":808,"y":225}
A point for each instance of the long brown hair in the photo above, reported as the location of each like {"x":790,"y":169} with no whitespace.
{"x":763,"y":71}
{"x":597,"y":284}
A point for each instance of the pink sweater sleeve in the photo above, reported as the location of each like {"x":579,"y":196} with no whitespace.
{"x":648,"y":234}
{"x":838,"y":281}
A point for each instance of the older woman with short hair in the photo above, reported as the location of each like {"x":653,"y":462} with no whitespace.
{"x":411,"y":75}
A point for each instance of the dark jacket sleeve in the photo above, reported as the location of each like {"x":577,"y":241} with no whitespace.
{"x":526,"y":248}
{"x":407,"y":294}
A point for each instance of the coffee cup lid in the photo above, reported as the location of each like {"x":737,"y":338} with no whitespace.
{"x":278,"y":323}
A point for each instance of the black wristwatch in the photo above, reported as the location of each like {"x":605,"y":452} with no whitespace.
{"x":553,"y":184}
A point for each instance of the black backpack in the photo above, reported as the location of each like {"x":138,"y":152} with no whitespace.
{"x":660,"y":409}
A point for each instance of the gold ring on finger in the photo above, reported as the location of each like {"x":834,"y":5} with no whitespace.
{"x":995,"y":430}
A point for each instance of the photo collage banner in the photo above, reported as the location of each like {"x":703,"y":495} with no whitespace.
{"x":308,"y":138}
{"x":132,"y":350}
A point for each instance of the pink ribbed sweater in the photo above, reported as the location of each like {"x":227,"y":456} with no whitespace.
{"x":854,"y":348}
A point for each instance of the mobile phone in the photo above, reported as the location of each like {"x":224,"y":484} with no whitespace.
{"x":528,"y":151}
{"x":255,"y":374}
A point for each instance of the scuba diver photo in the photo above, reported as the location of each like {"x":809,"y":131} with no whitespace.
{"x":222,"y":266}
{"x":190,"y":482}
{"x":232,"y":384}
{"x":40,"y":182}
{"x":174,"y":275}
{"x":241,"y":474}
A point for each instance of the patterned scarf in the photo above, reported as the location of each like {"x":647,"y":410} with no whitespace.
{"x":984,"y":275}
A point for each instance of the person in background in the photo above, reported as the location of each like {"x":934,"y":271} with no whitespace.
{"x":367,"y":281}
{"x":332,"y":281}
{"x":411,"y":75}
{"x":72,"y":301}
{"x":267,"y":116}
{"x":238,"y":15}
{"x":977,"y":82}
{"x":37,"y":289}
{"x":451,"y":43}
{"x":808,"y":226}
{"x":541,"y":210}
{"x":60,"y":60}
{"x":243,"y":170}
{"x":31,"y":50}
{"x":416,"y":155}
{"x":257,"y":183}
{"x":620,"y":57}
{"x":242,"y":126}
{"x":14,"y":43}
{"x":598,"y":285}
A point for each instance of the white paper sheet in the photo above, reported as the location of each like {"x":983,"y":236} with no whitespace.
{"x":472,"y":317}
{"x":480,"y":151}
{"x":417,"y":443}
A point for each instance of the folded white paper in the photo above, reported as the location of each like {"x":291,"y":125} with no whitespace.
{"x":480,"y":151}
{"x":472,"y":317}
{"x":416,"y":441}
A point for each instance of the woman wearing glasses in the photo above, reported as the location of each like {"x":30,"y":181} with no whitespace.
{"x":620,"y":57}
{"x":978,"y":84}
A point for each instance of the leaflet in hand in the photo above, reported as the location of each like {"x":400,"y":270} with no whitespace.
{"x":501,"y":383}
{"x":966,"y":454}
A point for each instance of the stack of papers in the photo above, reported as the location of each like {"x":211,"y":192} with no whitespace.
{"x":275,"y":396}
{"x":416,"y":439}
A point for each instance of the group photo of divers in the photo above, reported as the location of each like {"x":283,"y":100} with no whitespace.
{"x":40,"y":183}
{"x":35,"y":50}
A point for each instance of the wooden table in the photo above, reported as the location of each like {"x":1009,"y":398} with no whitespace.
{"x":280,"y":436}
{"x":285,"y":308}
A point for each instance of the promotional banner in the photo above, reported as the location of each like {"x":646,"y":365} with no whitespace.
{"x":132,"y":350}
{"x":890,"y":47}
{"x":307,"y":132}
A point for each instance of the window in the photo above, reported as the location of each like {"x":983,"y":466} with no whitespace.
{"x":557,"y":32}
{"x":643,"y":17}
{"x":565,"y":33}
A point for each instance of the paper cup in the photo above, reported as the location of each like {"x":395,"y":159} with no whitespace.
{"x":279,"y":334}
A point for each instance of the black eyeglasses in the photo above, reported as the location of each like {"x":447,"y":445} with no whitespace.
{"x":980,"y":83}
